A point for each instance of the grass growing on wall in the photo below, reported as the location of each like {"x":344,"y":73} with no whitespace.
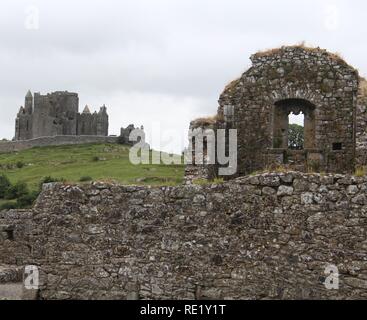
{"x":73,"y":163}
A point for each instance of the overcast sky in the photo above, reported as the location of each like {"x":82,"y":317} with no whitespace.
{"x":157,"y":61}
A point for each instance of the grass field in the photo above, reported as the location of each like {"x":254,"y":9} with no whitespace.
{"x":102,"y":162}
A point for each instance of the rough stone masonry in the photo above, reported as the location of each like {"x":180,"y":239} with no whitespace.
{"x":57,"y":114}
{"x":300,"y":80}
{"x":265,"y":236}
{"x":269,"y":236}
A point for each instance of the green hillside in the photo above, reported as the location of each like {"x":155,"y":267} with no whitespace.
{"x":75,"y":163}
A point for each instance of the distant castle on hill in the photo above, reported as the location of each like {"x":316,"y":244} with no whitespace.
{"x":57,"y":114}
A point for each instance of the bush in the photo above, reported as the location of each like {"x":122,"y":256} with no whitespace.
{"x":4,"y":185}
{"x":20,"y":164}
{"x":18,"y":190}
{"x":49,"y":179}
{"x":85,"y":179}
{"x":296,"y":137}
{"x":8,"y":206}
{"x":27,"y":200}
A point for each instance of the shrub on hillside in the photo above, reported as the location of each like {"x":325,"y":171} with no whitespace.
{"x":27,"y":200}
{"x":4,"y":185}
{"x":20,"y":192}
{"x":20,"y":164}
{"x":8,"y":206}
{"x":85,"y":179}
{"x":50,"y":179}
{"x":16,"y":191}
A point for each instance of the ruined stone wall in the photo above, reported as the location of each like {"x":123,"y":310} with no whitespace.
{"x":87,"y":124}
{"x":361,"y":126}
{"x":266,"y":236}
{"x":23,"y":126}
{"x":102,"y":122}
{"x":16,"y":229}
{"x":53,"y":141}
{"x":200,"y":150}
{"x":198,"y":173}
{"x":295,"y":74}
{"x":55,"y":114}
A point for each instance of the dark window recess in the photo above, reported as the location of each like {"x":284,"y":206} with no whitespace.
{"x":10,"y":234}
{"x":337,"y":146}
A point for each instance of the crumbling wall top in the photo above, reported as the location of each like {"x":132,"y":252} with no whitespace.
{"x":298,"y":51}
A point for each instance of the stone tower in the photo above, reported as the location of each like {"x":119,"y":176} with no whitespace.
{"x":102,"y":122}
{"x":28,"y":104}
{"x":55,"y":114}
{"x":58,"y":114}
{"x":86,"y":123}
{"x":23,"y":124}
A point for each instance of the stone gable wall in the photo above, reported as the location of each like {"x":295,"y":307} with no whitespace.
{"x":311,"y":75}
{"x":266,"y":236}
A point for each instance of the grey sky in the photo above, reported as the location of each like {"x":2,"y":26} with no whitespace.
{"x":161,"y":61}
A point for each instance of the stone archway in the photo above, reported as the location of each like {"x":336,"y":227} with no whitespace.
{"x":282,"y":110}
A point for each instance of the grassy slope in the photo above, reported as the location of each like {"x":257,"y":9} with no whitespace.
{"x":73,"y":162}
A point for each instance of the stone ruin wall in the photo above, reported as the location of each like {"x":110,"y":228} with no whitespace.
{"x":12,"y":146}
{"x":54,"y":114}
{"x":57,"y":114}
{"x":198,"y":167}
{"x":361,"y":126}
{"x":311,"y":75}
{"x":265,"y":236}
{"x":15,"y":233}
